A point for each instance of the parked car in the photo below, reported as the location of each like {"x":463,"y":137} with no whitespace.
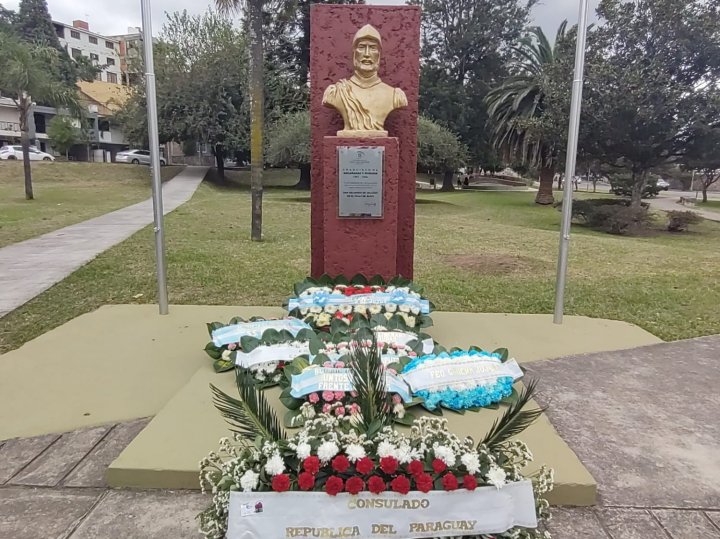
{"x":663,"y":185}
{"x":136,"y":157}
{"x":11,"y":153}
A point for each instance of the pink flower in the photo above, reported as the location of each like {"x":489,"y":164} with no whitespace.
{"x":328,"y":364}
{"x":391,"y":371}
{"x":381,"y":344}
{"x":326,"y":408}
{"x":314,"y":398}
{"x":232,"y":346}
{"x":354,"y":408}
{"x":339,"y":395}
{"x":339,"y":365}
{"x":340,"y":411}
{"x":328,"y":396}
{"x":412,"y":354}
{"x":353,"y":394}
{"x":396,"y":399}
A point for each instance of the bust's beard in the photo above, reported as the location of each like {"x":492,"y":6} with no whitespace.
{"x":366,"y":72}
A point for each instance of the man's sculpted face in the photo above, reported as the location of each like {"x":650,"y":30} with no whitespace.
{"x":366,"y":57}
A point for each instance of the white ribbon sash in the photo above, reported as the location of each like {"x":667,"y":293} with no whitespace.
{"x":230,"y":334}
{"x":268,"y":353}
{"x":315,"y":379}
{"x":436,"y":375}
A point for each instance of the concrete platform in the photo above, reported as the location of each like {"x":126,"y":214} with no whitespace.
{"x":123,"y":362}
{"x":167,"y":452}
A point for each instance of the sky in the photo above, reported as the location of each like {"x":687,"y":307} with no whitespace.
{"x":112,"y":17}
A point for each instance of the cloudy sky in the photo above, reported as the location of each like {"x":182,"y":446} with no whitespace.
{"x":114,"y":16}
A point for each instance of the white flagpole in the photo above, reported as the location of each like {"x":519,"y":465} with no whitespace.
{"x":571,"y":161}
{"x":154,"y":138}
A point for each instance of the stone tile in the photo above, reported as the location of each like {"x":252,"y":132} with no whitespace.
{"x":631,"y":524}
{"x":33,"y":513}
{"x":48,"y":469}
{"x":687,"y":524}
{"x":156,"y":514}
{"x":18,"y":453}
{"x":714,"y":516}
{"x":572,"y":522}
{"x":628,"y":417}
{"x":91,"y":471}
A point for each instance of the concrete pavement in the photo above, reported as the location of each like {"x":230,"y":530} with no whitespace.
{"x":30,"y":267}
{"x":668,"y":201}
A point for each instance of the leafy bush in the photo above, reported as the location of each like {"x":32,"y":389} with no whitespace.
{"x":610,"y":215}
{"x":679,"y":221}
{"x":623,"y":186}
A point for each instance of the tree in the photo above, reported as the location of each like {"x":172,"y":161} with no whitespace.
{"x":465,"y":48}
{"x":652,"y":67}
{"x":7,"y":20}
{"x":440,"y":149}
{"x":521,"y":109}
{"x":63,"y":133}
{"x":26,"y":74}
{"x":289,"y":145}
{"x":703,"y":155}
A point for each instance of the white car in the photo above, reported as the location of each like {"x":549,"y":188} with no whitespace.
{"x":663,"y":185}
{"x":12,"y":153}
{"x":136,"y":157}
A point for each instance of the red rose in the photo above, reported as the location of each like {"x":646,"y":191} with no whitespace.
{"x":311,"y":464}
{"x":338,"y":314}
{"x":449,"y":482}
{"x":364,"y":466}
{"x":354,"y":485}
{"x":376,"y":485}
{"x":424,"y":482}
{"x":469,"y":482}
{"x":281,"y":482}
{"x":416,"y":467}
{"x":389,"y":465}
{"x":306,"y":481}
{"x":349,"y":291}
{"x":400,"y":484}
{"x":334,"y":485}
{"x":438,"y":466}
{"x":340,"y":463}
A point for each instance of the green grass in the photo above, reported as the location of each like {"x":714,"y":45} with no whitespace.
{"x":710,"y":205}
{"x":491,"y":252}
{"x":67,"y":193}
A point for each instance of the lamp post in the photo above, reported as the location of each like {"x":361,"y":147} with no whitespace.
{"x":570,"y":162}
{"x":154,"y":139}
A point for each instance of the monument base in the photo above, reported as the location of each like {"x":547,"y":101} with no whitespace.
{"x":367,"y":244}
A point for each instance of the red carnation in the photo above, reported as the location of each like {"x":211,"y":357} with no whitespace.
{"x":334,"y":485}
{"x":438,"y":466}
{"x":400,"y":484}
{"x":449,"y":482}
{"x":340,"y":463}
{"x":306,"y":481}
{"x":354,"y":485}
{"x":389,"y":465}
{"x":364,"y":466}
{"x":376,"y":485}
{"x":416,"y":467}
{"x":469,"y":482}
{"x":424,"y":482}
{"x":311,"y":464}
{"x":281,"y":482}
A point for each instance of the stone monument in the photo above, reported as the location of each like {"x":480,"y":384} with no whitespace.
{"x":363,"y":174}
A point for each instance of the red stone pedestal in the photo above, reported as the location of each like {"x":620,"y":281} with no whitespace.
{"x":368,"y":246}
{"x":332,"y":31}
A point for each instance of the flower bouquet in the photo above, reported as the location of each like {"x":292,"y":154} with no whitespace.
{"x":330,"y":304}
{"x":370,"y":479}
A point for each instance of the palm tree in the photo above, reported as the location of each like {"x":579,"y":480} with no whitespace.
{"x":516,"y":108}
{"x":26,"y":75}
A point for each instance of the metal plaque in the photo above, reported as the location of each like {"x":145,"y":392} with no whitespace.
{"x":361,"y":181}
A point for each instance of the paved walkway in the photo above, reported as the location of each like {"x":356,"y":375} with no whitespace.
{"x":669,"y":202}
{"x":30,"y":267}
{"x":643,"y":421}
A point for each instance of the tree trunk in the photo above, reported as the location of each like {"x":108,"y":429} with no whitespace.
{"x":257,"y":111}
{"x":448,"y":181}
{"x":705,"y":188}
{"x":220,"y":161}
{"x":25,"y":141}
{"x":638,"y":187}
{"x":304,"y":182}
{"x":560,"y":179}
{"x":545,"y":192}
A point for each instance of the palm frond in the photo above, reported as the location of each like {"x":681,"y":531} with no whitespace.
{"x":514,"y":420}
{"x":368,"y":378}
{"x":251,"y":415}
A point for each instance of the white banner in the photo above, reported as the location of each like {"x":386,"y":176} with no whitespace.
{"x":436,"y":375}
{"x":304,"y":515}
{"x":274,"y":352}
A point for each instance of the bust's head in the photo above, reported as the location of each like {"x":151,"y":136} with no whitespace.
{"x":367,"y":47}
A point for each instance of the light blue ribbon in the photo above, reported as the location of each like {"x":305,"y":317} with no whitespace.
{"x":232,"y":334}
{"x":323,"y":299}
{"x":312,"y":381}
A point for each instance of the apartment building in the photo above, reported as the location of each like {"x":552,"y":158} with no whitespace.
{"x":102,"y":50}
{"x":131,"y":51}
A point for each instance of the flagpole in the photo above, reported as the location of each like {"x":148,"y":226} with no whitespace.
{"x":571,"y":162}
{"x":154,"y":139}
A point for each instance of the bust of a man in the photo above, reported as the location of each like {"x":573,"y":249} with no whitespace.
{"x":363,"y":100}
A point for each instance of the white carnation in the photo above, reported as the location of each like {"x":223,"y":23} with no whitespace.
{"x":375,"y":309}
{"x":327,"y":450}
{"x":415,"y":310}
{"x":445,"y":454}
{"x":496,"y":477}
{"x":361,"y":309}
{"x":471,"y":461}
{"x":345,"y":309}
{"x":275,"y":465}
{"x":303,"y":450}
{"x":404,"y":308}
{"x":249,"y":481}
{"x":331,"y":309}
{"x":304,"y":312}
{"x":386,"y":449}
{"x":316,"y":310}
{"x":390,"y":307}
{"x":404,"y":453}
{"x":355,"y":452}
{"x":399,"y":411}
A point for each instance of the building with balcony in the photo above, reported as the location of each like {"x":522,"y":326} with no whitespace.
{"x":38,"y":123}
{"x":104,"y":51}
{"x":131,"y":52}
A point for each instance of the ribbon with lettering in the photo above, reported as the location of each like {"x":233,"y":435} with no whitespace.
{"x":232,"y":334}
{"x":315,"y":379}
{"x":322,"y":299}
{"x":269,"y":353}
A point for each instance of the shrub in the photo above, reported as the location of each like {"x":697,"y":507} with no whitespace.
{"x":610,"y":215}
{"x":679,"y":221}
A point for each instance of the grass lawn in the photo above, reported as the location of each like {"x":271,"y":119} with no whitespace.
{"x":492,"y":252}
{"x":710,"y":205}
{"x":67,"y":193}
